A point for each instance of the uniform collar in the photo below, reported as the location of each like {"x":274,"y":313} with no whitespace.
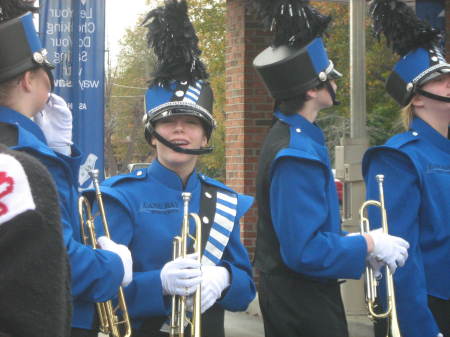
{"x":10,"y":116}
{"x":299,"y":122}
{"x":171,"y":179}
{"x":430,"y":134}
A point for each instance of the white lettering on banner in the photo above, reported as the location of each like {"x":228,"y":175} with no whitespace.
{"x":59,"y":29}
{"x":83,"y":57}
{"x":61,"y":13}
{"x":81,"y":106}
{"x":87,"y":84}
{"x":68,"y":12}
{"x":87,"y":27}
{"x":61,"y":83}
{"x":86,"y":14}
{"x":64,"y":42}
{"x":85,"y":42}
{"x":56,"y":27}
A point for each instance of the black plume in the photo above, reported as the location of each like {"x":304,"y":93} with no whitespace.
{"x":175,"y":43}
{"x":403,"y":30}
{"x":10,"y":9}
{"x":294,"y":22}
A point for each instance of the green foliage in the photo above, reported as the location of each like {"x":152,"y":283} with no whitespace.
{"x":125,"y":142}
{"x":208,"y":18}
{"x":382,"y":111}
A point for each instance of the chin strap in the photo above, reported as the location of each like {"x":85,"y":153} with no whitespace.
{"x":432,"y":96}
{"x":332,"y":93}
{"x":176,"y":148}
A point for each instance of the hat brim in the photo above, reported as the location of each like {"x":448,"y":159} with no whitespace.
{"x":435,"y":74}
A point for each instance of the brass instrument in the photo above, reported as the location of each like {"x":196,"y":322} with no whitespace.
{"x":109,"y":321}
{"x":178,"y":317}
{"x":370,"y":280}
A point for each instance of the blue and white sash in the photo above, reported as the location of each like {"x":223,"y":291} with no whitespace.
{"x":224,"y":219}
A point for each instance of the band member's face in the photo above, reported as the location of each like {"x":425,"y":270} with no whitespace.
{"x":184,"y":131}
{"x":324,"y":97}
{"x":438,"y":86}
{"x":40,"y":88}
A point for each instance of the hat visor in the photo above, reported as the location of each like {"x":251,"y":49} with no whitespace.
{"x":184,"y":110}
{"x":435,"y":74}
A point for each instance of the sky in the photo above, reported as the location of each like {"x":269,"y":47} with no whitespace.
{"x":120,"y":15}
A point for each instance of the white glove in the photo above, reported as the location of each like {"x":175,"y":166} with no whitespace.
{"x":124,"y":254}
{"x":376,"y":265}
{"x":56,"y":124}
{"x":181,"y":276}
{"x":214,"y":280}
{"x":390,"y":249}
{"x":440,"y":335}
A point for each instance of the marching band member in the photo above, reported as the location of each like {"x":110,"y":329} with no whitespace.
{"x":25,"y":84}
{"x":35,"y":277}
{"x":301,"y":250}
{"x":416,"y":166}
{"x":145,"y":207}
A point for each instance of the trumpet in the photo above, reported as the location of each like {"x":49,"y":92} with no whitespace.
{"x":110,"y":323}
{"x":371,"y":281}
{"x":178,"y":318}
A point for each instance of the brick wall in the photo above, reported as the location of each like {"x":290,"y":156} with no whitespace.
{"x":248,"y":109}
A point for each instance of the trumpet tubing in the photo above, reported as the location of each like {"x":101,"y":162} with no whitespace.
{"x":178,"y":318}
{"x":370,"y":281}
{"x":109,"y":321}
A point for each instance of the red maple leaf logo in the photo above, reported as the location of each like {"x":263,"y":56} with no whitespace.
{"x":6,"y":187}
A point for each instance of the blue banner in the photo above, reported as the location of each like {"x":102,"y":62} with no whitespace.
{"x":73,"y":32}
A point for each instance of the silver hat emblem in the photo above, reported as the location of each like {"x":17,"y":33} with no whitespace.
{"x":38,"y":57}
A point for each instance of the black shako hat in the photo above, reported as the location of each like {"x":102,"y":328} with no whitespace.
{"x":179,"y":83}
{"x":416,"y":42}
{"x":297,"y":59}
{"x":21,"y":48}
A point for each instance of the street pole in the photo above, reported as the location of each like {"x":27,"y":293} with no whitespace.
{"x":349,"y":153}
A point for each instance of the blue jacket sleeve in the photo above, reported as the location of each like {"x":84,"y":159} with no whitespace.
{"x":242,"y":289}
{"x":299,"y":211}
{"x":144,"y":295}
{"x":95,"y":274}
{"x":402,"y":202}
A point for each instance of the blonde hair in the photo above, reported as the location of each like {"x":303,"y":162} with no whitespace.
{"x":407,"y":115}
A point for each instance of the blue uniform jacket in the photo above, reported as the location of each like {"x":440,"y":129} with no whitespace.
{"x":144,"y":211}
{"x":416,"y":166}
{"x":305,"y":208}
{"x":96,"y":275}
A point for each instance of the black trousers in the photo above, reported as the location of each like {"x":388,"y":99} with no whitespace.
{"x":441,"y":312}
{"x":298,"y":307}
{"x":212,"y":325}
